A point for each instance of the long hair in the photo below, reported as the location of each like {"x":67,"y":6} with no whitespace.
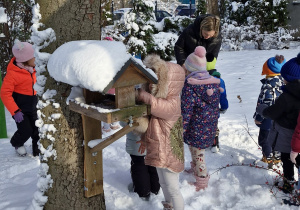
{"x":210,"y":23}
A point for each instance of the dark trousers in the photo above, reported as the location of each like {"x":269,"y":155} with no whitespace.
{"x":26,"y":129}
{"x":263,"y":136}
{"x":144,"y":178}
{"x":288,"y":166}
{"x":263,"y":142}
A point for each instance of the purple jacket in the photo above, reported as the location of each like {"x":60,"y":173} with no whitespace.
{"x":200,"y":111}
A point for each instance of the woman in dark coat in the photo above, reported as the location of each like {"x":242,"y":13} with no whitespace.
{"x":203,"y":32}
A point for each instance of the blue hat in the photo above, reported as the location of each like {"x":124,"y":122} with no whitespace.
{"x":291,"y":69}
{"x":274,"y":65}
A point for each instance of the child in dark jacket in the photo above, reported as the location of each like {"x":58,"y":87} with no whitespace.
{"x":284,"y":113}
{"x":20,"y":98}
{"x":144,"y":177}
{"x":200,"y":111}
{"x":269,"y":92}
{"x":210,"y":65}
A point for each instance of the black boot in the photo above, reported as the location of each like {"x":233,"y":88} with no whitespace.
{"x":35,"y":150}
{"x":215,"y":146}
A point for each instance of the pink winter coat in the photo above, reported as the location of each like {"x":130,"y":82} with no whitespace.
{"x":165,"y":111}
{"x":296,"y":137}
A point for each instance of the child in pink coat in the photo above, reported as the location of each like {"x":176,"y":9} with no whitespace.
{"x":163,"y":138}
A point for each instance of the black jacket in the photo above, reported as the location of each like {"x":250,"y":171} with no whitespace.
{"x":190,"y":39}
{"x":286,"y":108}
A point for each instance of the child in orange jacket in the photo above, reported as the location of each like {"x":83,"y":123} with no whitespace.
{"x":19,"y":97}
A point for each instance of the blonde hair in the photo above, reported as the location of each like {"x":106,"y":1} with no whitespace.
{"x":210,"y":23}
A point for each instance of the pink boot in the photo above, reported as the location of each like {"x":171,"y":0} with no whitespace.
{"x":167,"y":205}
{"x":201,"y":182}
{"x":192,"y":169}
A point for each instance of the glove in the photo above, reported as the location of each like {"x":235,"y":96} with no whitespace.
{"x":293,"y":156}
{"x":19,"y":117}
{"x":222,"y":111}
{"x":260,"y":108}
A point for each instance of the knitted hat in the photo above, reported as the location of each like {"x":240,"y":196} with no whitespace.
{"x":272,"y":66}
{"x":196,"y":61}
{"x":291,"y":69}
{"x":211,"y":61}
{"x":108,"y":38}
{"x":23,"y":51}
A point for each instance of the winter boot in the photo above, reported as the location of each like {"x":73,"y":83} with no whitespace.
{"x":201,"y":182}
{"x":147,"y":198}
{"x":192,"y":169}
{"x":288,"y":186}
{"x":115,"y":126}
{"x":215,"y":146}
{"x":35,"y":150}
{"x":106,"y":129}
{"x":167,"y":205}
{"x":277,"y":157}
{"x":21,"y":151}
{"x":130,"y":187}
{"x":268,"y":159}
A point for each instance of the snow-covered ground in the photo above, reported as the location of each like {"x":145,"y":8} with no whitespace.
{"x":234,"y":187}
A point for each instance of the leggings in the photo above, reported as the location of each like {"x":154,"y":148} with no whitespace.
{"x":198,"y":158}
{"x":169,"y":182}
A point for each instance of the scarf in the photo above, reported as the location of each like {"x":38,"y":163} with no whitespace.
{"x":27,"y":68}
{"x":200,"y":75}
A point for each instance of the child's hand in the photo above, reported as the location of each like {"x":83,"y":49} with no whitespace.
{"x":19,"y":117}
{"x":293,"y":156}
{"x":222,"y":111}
{"x":142,"y":148}
{"x":257,"y":122}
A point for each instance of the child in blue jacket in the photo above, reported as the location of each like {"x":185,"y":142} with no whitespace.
{"x":284,"y":113}
{"x":210,"y":65}
{"x":269,"y":92}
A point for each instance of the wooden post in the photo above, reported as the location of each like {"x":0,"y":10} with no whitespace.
{"x":93,"y":166}
{"x":93,"y":162}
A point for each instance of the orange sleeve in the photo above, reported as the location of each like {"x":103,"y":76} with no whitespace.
{"x":7,"y":90}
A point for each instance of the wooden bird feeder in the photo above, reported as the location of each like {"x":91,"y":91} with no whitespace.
{"x":121,"y":107}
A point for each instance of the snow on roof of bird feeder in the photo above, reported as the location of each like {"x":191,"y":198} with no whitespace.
{"x":90,"y":64}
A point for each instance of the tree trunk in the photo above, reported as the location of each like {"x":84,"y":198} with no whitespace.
{"x":71,"y":20}
{"x":213,"y":7}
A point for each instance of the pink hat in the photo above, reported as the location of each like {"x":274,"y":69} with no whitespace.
{"x":23,"y":51}
{"x":196,"y":61}
{"x":108,"y":38}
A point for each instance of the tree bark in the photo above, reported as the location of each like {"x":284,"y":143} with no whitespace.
{"x":213,"y":7}
{"x":71,"y":20}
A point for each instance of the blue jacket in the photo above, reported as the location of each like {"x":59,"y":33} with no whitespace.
{"x":223,"y":96}
{"x":270,"y":90}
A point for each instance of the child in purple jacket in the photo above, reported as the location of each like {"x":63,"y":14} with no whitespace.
{"x":200,"y":111}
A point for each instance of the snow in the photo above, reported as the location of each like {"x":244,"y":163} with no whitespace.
{"x":234,"y":187}
{"x":90,"y":64}
{"x":3,"y":15}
